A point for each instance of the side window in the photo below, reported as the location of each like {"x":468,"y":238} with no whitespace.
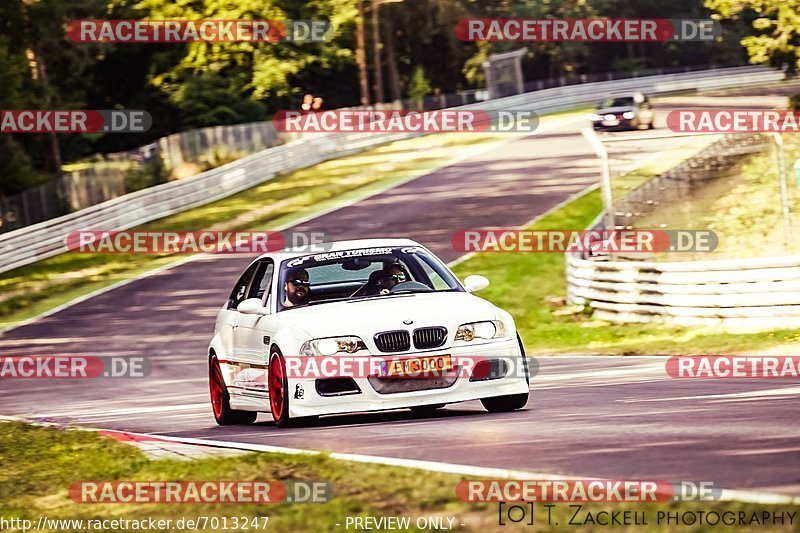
{"x":262,"y":282}
{"x":239,"y":292}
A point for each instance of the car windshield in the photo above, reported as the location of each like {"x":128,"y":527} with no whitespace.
{"x":616,"y":101}
{"x":361,"y":274}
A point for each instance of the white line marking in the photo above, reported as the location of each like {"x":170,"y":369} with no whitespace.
{"x":748,"y":496}
{"x":753,"y":394}
{"x":457,"y":469}
{"x":89,"y":413}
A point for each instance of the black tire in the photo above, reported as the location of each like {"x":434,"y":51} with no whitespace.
{"x":504,"y":404}
{"x":524,"y":360}
{"x":512,"y":402}
{"x":220,"y":399}
{"x":652,"y":125}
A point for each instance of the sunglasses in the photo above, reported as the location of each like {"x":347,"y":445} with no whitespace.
{"x":398,"y":277}
{"x":300,"y":283}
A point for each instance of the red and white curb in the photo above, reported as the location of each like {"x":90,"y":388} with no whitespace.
{"x":152,"y":446}
{"x":158,"y":448}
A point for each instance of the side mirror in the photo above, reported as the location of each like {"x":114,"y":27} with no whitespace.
{"x":252,"y":306}
{"x":473,"y":283}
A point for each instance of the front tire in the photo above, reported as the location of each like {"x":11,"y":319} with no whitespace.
{"x":220,"y":399}
{"x":278,"y":387}
{"x":512,"y":402}
{"x":504,"y":404}
{"x":278,"y":384}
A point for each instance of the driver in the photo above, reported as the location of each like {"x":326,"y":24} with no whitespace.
{"x":393,"y":275}
{"x":297,"y":288}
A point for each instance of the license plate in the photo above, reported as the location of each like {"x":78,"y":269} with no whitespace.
{"x":611,"y":123}
{"x":413,"y":366}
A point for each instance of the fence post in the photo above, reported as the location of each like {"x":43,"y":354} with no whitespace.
{"x":25,"y":212}
{"x":605,"y":175}
{"x":4,"y":214}
{"x":44,"y":209}
{"x":787,"y":220}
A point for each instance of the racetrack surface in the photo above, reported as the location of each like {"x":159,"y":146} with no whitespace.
{"x":608,"y":417}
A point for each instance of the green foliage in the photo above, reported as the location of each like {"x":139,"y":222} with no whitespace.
{"x":419,"y":87}
{"x":146,"y":175}
{"x":204,"y":84}
{"x":215,"y":83}
{"x":774,"y":35}
{"x":210,"y":98}
{"x":15,"y":165}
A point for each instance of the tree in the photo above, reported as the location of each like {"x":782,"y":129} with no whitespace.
{"x":775,"y":29}
{"x":15,"y":165}
{"x":418,"y":88}
{"x":214,"y":83}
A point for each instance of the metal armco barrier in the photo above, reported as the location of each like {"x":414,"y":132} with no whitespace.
{"x":46,"y":239}
{"x":735,"y":294}
{"x":742,"y":294}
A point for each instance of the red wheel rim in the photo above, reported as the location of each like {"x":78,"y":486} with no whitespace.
{"x":215,"y":384}
{"x":276,"y":396}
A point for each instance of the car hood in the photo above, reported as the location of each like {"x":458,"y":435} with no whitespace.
{"x":619,"y":109}
{"x":372,"y":315}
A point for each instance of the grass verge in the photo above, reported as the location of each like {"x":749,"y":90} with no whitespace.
{"x":39,"y":464}
{"x":744,"y":210}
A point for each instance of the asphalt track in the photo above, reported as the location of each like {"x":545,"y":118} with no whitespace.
{"x":595,"y":417}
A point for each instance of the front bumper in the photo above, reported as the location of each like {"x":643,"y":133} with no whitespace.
{"x":618,"y":124}
{"x":434,"y":390}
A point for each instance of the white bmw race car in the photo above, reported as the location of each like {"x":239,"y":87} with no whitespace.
{"x":366,"y":325}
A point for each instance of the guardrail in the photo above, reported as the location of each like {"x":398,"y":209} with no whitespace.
{"x":760,"y":293}
{"x":46,"y":239}
{"x":754,"y":294}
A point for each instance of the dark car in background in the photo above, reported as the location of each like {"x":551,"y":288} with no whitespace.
{"x":624,"y":112}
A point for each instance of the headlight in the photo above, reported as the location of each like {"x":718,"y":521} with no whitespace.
{"x":610,"y":116}
{"x":491,"y":329}
{"x":628,"y":114}
{"x":596,"y":117}
{"x":332,"y":346}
